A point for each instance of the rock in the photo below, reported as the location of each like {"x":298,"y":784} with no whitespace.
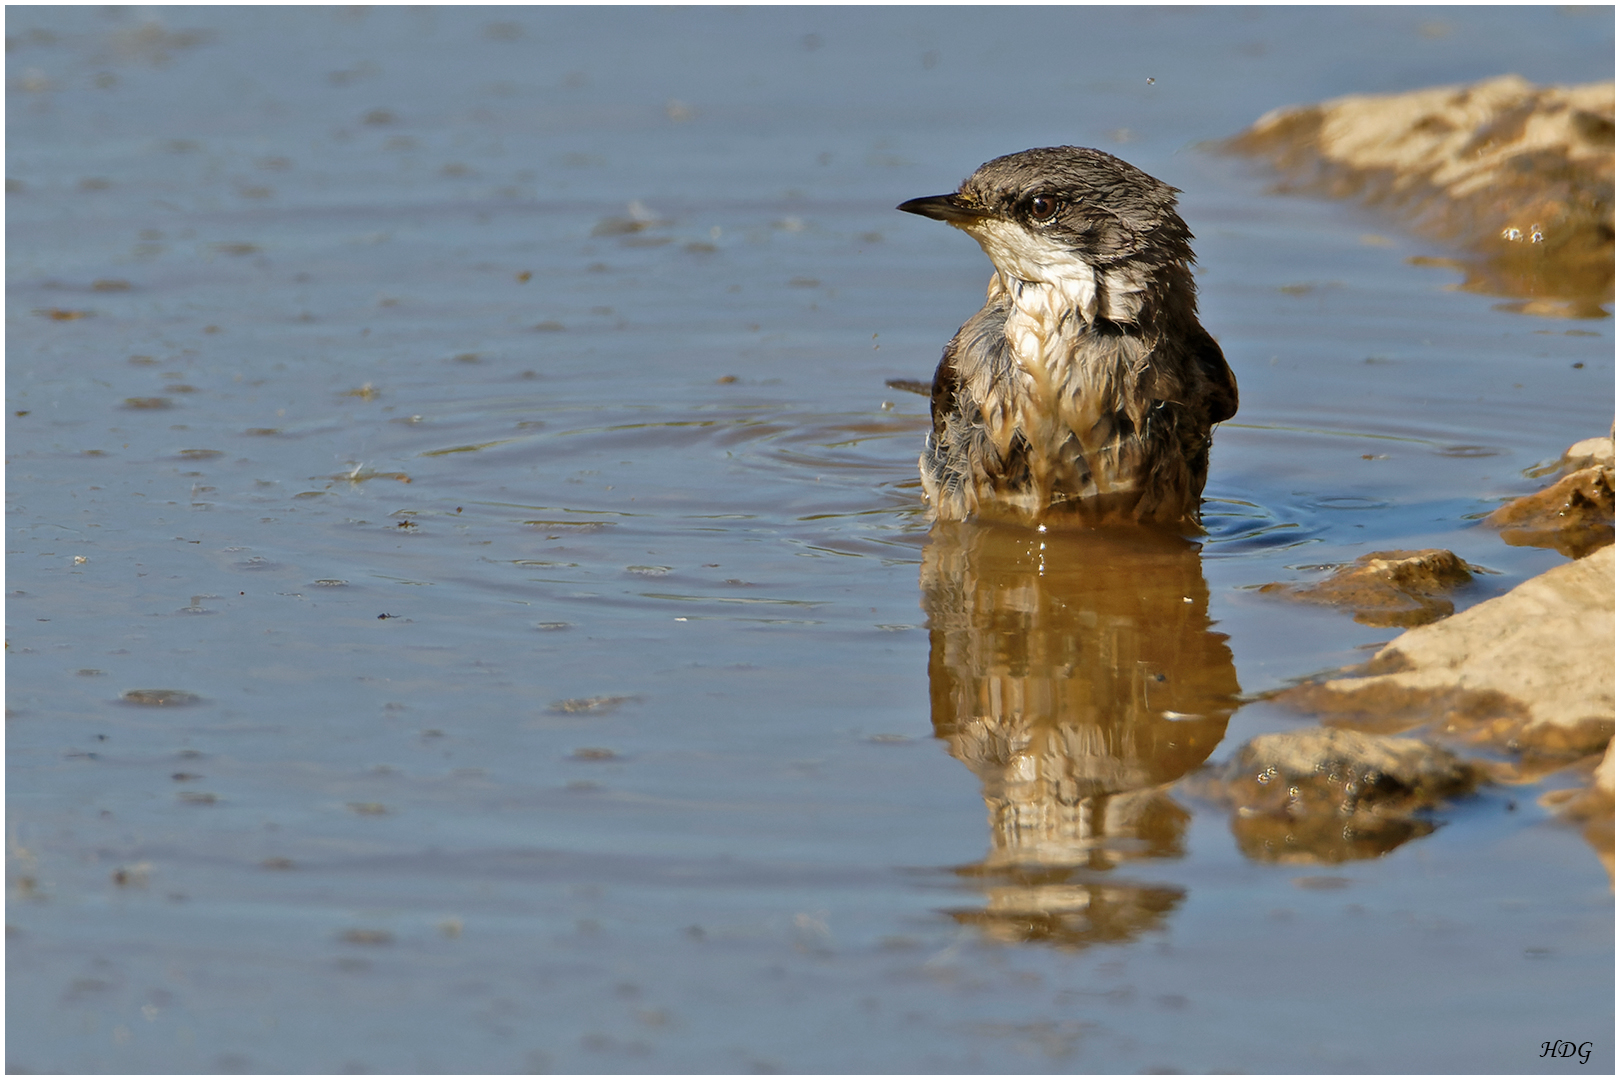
{"x":1574,"y":516}
{"x":1387,"y":588}
{"x":1325,"y":795}
{"x":1598,"y":451}
{"x":1313,"y":770}
{"x":1530,"y":670}
{"x":1522,"y":175}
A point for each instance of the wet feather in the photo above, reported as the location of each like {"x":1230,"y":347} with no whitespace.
{"x":1085,"y":386}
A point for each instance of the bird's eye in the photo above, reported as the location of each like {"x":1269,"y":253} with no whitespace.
{"x":1043,"y":208}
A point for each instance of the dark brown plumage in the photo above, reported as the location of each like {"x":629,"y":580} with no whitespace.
{"x":1085,"y":388}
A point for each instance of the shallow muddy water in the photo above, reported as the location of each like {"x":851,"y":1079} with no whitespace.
{"x":480,"y":415}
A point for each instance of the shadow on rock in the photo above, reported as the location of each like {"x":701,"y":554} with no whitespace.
{"x":1077,"y":675}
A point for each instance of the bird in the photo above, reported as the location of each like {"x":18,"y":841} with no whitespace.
{"x":1085,"y":389}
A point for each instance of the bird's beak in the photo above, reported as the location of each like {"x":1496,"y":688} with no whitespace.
{"x":947,"y":208}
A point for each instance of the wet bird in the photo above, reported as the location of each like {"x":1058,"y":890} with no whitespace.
{"x":1085,"y":388}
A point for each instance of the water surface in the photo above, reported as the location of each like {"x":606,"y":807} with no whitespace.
{"x":482,"y":413}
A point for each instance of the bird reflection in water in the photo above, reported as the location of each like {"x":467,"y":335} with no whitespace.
{"x":1077,"y":675}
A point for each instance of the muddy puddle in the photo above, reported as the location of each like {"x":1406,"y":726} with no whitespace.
{"x":469,"y":606}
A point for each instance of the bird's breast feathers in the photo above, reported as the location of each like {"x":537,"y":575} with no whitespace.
{"x":1057,"y":386}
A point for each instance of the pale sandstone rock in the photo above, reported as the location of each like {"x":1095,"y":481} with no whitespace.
{"x":1524,"y":175}
{"x":1533,"y":669}
{"x":1460,"y":138}
{"x":1589,"y":452}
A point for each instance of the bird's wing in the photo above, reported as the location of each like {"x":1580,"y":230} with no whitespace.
{"x":1222,"y":398}
{"x":942,"y":395}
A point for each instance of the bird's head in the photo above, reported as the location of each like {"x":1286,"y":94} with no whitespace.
{"x":1047,"y":215}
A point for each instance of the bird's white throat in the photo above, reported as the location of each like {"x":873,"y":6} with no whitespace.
{"x":1054,"y":298}
{"x":1047,"y":279}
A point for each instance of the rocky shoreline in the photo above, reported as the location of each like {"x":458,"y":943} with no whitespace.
{"x":1524,"y":680}
{"x":1522,"y":179}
